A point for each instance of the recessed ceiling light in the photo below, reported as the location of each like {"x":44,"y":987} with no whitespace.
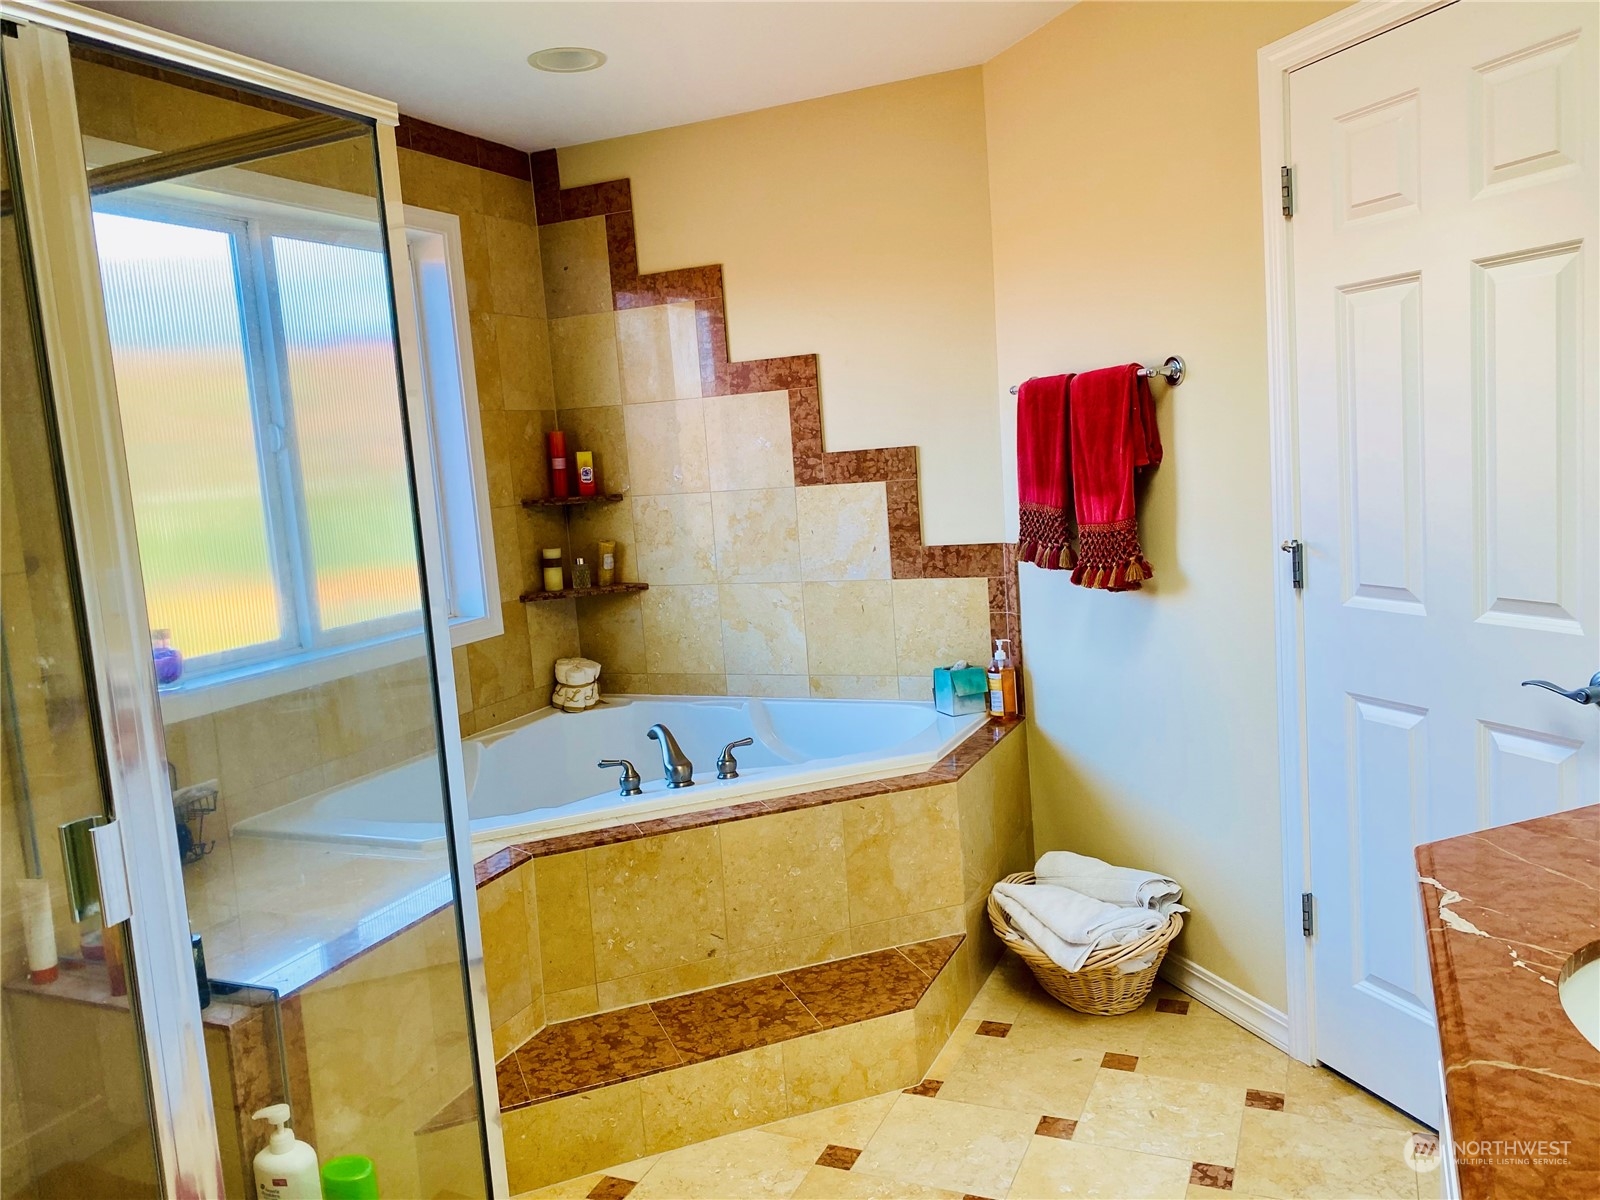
{"x":566,"y":60}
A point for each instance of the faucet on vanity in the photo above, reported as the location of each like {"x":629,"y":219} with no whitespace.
{"x":679,"y":770}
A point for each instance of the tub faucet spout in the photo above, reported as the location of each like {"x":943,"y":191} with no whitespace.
{"x":679,"y":770}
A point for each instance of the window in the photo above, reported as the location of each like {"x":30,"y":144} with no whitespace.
{"x":256,"y":377}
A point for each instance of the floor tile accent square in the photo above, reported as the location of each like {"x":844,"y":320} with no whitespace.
{"x":1120,"y":1062}
{"x":997,"y":1029}
{"x":849,"y":990}
{"x":611,"y":1188}
{"x":1212,"y":1176}
{"x":1273,"y":1101}
{"x":740,"y":1016}
{"x":1168,"y":1005}
{"x":928,"y":1087}
{"x":841,"y":1158}
{"x":1056,"y":1127}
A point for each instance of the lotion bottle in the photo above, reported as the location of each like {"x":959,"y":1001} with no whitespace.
{"x":287,"y":1168}
{"x":1002,"y":681}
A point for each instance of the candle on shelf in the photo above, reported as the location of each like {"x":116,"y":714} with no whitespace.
{"x":556,"y":444}
{"x":552,"y":569}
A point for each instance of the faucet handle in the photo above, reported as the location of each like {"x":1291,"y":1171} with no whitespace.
{"x":628,"y":781}
{"x":727,"y":764}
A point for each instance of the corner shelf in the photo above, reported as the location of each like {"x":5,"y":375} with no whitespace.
{"x":573,"y":501}
{"x":611,"y":589}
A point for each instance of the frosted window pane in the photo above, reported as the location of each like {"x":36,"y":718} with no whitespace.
{"x":183,"y":386}
{"x":340,"y":350}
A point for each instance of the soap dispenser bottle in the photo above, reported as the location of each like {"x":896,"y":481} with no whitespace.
{"x":1002,"y":681}
{"x":287,"y":1168}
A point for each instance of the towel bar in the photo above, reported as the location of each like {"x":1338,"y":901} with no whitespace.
{"x":1172,"y":371}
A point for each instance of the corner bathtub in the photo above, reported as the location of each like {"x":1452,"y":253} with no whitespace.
{"x":537,"y":775}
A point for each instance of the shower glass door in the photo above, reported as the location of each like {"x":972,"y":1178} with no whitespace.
{"x":74,"y":1110}
{"x":248,"y":322}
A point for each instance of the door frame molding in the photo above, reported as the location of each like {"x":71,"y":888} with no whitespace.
{"x":1274,"y":63}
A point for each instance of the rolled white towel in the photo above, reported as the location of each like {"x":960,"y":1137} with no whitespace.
{"x":1114,"y":885}
{"x":1067,"y":925}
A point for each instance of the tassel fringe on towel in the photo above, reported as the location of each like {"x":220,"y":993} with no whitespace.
{"x":1044,"y":539}
{"x":1110,"y":558}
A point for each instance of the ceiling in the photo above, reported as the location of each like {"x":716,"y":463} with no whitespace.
{"x":464,"y":63}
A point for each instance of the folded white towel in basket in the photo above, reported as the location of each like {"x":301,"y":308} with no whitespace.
{"x":1114,"y":885}
{"x":1069,"y":926}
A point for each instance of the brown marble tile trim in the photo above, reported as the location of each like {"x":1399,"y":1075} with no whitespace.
{"x":930,"y":957}
{"x":610,"y":1047}
{"x":994,"y":1029}
{"x":798,"y":375}
{"x":1168,"y":1004}
{"x":610,"y":1187}
{"x":848,"y":991}
{"x":427,"y":138}
{"x":928,"y":1087}
{"x":194,"y":83}
{"x":947,"y":770}
{"x":1119,"y":1062}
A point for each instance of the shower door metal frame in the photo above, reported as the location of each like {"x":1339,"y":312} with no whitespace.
{"x":53,"y":180}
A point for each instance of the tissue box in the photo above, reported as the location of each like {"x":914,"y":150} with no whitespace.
{"x":959,"y":691}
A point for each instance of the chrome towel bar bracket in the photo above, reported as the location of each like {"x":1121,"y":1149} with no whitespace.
{"x":1173,"y":371}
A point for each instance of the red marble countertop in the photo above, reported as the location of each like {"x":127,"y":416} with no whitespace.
{"x":1504,"y":910}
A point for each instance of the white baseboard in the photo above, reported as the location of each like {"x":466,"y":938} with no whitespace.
{"x":1239,"y":1006}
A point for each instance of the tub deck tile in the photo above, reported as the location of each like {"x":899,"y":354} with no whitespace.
{"x":850,"y":990}
{"x":930,"y":957}
{"x":591,"y":1052}
{"x":735,"y":1017}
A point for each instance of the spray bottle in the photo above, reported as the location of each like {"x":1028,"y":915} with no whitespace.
{"x":287,"y":1168}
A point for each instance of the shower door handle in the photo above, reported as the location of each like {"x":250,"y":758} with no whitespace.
{"x":97,"y":872}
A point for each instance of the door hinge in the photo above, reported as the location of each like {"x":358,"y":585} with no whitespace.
{"x":1286,"y":189}
{"x":1296,"y":551}
{"x":1305,"y":913}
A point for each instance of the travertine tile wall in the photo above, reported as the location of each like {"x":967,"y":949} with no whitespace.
{"x":759,"y":583}
{"x":502,"y":678}
{"x":621,"y":924}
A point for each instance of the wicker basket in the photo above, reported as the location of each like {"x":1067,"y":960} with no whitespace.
{"x":1097,"y":987}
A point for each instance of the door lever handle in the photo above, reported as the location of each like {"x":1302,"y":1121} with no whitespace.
{"x":1583,"y":695}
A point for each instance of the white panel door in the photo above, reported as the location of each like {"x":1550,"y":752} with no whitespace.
{"x":1449,"y":456}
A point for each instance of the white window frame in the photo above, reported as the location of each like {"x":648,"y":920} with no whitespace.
{"x":272,"y":205}
{"x":472,"y":577}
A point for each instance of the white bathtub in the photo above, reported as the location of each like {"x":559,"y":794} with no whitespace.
{"x":537,"y":775}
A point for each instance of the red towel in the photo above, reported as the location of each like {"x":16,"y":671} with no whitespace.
{"x":1113,"y":433}
{"x":1044,"y":488}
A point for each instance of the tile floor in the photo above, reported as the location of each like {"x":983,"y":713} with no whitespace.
{"x":1030,"y":1100}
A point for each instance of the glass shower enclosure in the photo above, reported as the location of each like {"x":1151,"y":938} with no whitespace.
{"x":218,"y":581}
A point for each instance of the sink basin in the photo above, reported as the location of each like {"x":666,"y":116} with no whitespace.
{"x":1580,"y":991}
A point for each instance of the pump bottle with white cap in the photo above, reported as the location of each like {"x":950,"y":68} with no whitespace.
{"x":287,"y":1168}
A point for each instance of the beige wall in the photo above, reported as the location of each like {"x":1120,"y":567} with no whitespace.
{"x":1153,"y":714}
{"x":855,"y":227}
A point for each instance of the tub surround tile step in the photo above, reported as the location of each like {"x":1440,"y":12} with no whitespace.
{"x":612,"y":1047}
{"x":850,"y":990}
{"x":947,"y":770}
{"x":736,"y":1017}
